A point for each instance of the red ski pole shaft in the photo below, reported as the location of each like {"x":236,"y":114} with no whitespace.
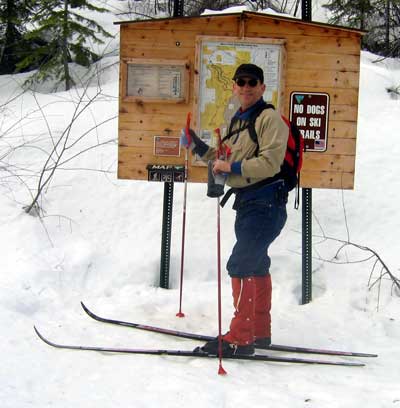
{"x":180,"y":313}
{"x":221,"y":370}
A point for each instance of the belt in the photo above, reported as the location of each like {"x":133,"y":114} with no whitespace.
{"x":247,"y":191}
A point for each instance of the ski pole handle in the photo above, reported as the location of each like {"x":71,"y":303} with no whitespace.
{"x":220,"y":152}
{"x":187,"y":131}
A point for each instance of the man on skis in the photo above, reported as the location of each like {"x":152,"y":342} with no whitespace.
{"x":253,"y":170}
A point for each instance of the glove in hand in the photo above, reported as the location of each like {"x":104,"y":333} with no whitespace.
{"x":194,"y":139}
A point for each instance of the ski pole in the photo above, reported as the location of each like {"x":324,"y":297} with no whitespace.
{"x":221,"y":370}
{"x":180,"y":313}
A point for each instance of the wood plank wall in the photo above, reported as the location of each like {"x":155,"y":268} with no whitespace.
{"x":319,"y":59}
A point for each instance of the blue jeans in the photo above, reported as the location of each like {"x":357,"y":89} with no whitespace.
{"x":260,"y":217}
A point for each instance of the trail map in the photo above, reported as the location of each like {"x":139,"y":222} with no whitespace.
{"x":218,"y":61}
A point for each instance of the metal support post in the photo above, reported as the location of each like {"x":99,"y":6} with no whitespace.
{"x":306,"y":8}
{"x":306,"y":207}
{"x":168,"y":204}
{"x":166,"y":234}
{"x":178,"y":8}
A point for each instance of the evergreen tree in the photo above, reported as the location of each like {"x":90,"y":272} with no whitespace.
{"x":386,"y":39}
{"x":352,"y":13}
{"x":13,"y":18}
{"x":66,"y":33}
{"x":380,"y":18}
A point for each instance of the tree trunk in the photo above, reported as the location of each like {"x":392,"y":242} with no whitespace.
{"x":8,"y":59}
{"x":387,"y":27}
{"x":64,"y":47}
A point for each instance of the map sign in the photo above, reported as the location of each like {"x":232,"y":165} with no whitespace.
{"x":218,"y":60}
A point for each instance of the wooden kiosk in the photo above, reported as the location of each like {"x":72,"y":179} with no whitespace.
{"x":162,"y":78}
{"x":173,"y":66}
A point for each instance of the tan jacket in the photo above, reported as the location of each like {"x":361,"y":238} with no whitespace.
{"x":272,"y":133}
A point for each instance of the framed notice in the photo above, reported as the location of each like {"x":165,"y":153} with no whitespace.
{"x":216,"y":61}
{"x":155,"y":80}
{"x":310,"y":112}
{"x":167,"y":146}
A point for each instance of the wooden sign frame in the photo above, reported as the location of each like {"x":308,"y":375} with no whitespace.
{"x":330,"y":63}
{"x":181,"y":66}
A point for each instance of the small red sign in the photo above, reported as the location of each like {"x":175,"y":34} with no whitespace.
{"x":167,"y":146}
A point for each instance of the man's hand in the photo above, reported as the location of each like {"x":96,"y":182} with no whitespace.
{"x":184,"y":139}
{"x":221,"y":166}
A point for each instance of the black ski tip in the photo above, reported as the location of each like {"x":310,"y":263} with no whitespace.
{"x":95,"y":316}
{"x":84,"y":307}
{"x":87,"y":311}
{"x":37,"y":332}
{"x":40,"y":335}
{"x":48,"y":342}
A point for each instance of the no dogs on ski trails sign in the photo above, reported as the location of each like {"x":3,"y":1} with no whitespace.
{"x":309,"y":111}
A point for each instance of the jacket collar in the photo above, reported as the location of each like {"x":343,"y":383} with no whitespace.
{"x":245,"y":115}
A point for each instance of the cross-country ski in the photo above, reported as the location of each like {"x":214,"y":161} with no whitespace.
{"x":202,"y":337}
{"x":194,"y":354}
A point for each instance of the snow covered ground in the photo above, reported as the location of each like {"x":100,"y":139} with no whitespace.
{"x":99,"y":242}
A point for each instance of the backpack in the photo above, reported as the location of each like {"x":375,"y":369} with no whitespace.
{"x":293,"y":161}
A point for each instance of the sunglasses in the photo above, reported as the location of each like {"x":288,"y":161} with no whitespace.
{"x":242,"y":82}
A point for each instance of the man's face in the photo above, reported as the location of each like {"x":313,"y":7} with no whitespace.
{"x":248,"y":94}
